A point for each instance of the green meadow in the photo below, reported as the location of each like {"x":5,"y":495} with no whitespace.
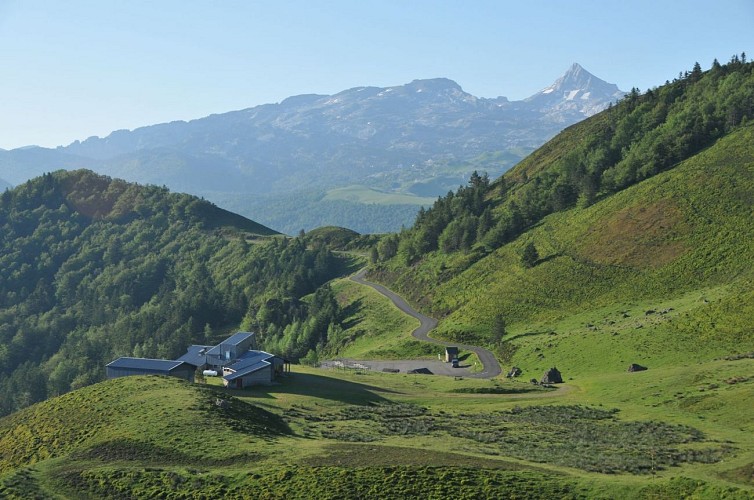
{"x":367,"y":195}
{"x":325,"y":433}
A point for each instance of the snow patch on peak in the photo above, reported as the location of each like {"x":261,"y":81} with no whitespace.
{"x":576,"y":91}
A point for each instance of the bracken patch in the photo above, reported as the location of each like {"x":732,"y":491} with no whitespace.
{"x":641,"y":236}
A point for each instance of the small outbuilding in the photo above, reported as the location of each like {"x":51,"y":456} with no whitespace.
{"x":123,"y":367}
{"x":451,"y":353}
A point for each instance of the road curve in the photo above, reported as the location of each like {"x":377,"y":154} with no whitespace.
{"x":491,"y":367}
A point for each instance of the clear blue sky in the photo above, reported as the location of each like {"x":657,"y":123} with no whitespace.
{"x":72,"y":69}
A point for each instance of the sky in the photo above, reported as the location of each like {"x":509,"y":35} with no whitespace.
{"x":74,"y":69}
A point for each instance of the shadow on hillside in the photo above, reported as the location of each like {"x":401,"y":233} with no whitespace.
{"x":350,"y":311}
{"x":322,"y":386}
{"x":548,"y":258}
{"x":530,"y":334}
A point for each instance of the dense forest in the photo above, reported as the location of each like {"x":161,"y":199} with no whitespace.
{"x":93,"y":268}
{"x":644,"y":134}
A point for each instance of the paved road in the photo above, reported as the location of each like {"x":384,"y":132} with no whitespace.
{"x":489,"y":362}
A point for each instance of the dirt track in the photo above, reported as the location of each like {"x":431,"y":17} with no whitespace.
{"x":491,"y":367}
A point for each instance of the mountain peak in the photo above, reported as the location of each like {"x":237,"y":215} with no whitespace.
{"x":577,"y":90}
{"x":434,"y":84}
{"x":575,"y":78}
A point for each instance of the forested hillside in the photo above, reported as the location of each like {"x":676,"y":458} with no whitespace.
{"x":93,"y":268}
{"x":648,"y":200}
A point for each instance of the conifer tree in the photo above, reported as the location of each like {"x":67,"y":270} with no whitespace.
{"x":530,"y":255}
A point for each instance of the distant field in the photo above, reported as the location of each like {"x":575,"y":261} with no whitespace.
{"x":367,"y":195}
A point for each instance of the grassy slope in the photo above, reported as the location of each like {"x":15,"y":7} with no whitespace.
{"x":679,"y":245}
{"x":150,"y":415}
{"x":679,"y":241}
{"x":143,"y":437}
{"x":659,"y":274}
{"x":357,"y":435}
{"x":376,"y":328}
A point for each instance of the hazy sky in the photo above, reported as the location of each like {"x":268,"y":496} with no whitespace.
{"x":72,"y":69}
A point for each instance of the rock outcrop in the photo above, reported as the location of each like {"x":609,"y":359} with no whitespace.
{"x":552,"y":376}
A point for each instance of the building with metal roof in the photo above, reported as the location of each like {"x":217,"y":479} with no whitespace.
{"x":196,"y":355}
{"x":223,"y":354}
{"x":234,"y":357}
{"x":125,"y":366}
{"x":237,"y":339}
{"x":253,"y":368}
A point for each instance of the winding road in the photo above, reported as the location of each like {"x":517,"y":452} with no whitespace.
{"x":491,"y":367}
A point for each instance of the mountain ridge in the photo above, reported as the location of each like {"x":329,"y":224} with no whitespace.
{"x":428,"y":134}
{"x":441,"y":86}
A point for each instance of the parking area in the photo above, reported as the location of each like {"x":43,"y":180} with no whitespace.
{"x":435,"y":367}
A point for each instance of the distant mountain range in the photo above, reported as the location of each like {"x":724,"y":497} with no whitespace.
{"x":340,"y":159}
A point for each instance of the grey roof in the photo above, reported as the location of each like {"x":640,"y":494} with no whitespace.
{"x":247,"y":370}
{"x":216,"y":350}
{"x":237,"y":338}
{"x":145,"y":364}
{"x":250,"y":362}
{"x":196,"y":355}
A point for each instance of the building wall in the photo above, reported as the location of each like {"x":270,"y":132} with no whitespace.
{"x":263,"y":376}
{"x":184,"y":372}
{"x":278,"y":366}
{"x":259,"y":377}
{"x":241,"y":347}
